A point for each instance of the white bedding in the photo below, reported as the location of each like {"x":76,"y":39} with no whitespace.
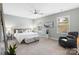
{"x":26,"y":35}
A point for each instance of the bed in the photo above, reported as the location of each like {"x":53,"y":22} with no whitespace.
{"x":27,"y":37}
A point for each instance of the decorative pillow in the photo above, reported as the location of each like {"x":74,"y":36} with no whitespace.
{"x":64,"y":40}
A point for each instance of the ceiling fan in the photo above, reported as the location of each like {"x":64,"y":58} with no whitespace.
{"x":37,"y":12}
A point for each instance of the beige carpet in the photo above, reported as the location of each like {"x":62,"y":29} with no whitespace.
{"x":42,"y":47}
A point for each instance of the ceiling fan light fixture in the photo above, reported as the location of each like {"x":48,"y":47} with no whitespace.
{"x":37,"y":12}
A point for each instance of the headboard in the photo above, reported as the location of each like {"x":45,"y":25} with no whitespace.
{"x":19,"y":30}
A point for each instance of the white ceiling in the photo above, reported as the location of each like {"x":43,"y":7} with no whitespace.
{"x":25,"y":9}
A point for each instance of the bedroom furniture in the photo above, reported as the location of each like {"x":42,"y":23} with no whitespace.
{"x":9,"y":36}
{"x":31,"y":40}
{"x":70,"y":41}
{"x":26,"y":36}
{"x":19,"y":30}
{"x":74,"y":34}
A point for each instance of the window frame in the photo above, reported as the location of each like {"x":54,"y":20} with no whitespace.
{"x":68,"y":24}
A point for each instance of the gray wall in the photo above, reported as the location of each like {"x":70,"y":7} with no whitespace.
{"x":74,"y":22}
{"x":15,"y":21}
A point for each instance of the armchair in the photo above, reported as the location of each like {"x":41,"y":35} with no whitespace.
{"x":70,"y":41}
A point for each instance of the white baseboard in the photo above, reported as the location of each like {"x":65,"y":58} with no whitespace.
{"x":53,"y":38}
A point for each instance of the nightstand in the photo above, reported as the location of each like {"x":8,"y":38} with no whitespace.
{"x":9,"y":36}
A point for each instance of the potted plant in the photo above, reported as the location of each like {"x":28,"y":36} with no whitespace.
{"x":12,"y":50}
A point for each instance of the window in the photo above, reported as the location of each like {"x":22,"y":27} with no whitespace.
{"x":63,"y":24}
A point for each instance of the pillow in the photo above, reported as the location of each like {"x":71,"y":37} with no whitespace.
{"x":64,"y":40}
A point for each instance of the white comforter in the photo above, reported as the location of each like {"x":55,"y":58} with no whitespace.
{"x":26,"y":35}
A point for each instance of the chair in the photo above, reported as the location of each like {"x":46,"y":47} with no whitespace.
{"x":70,"y":41}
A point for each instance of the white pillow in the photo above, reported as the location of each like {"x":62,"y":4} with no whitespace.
{"x":64,"y":40}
